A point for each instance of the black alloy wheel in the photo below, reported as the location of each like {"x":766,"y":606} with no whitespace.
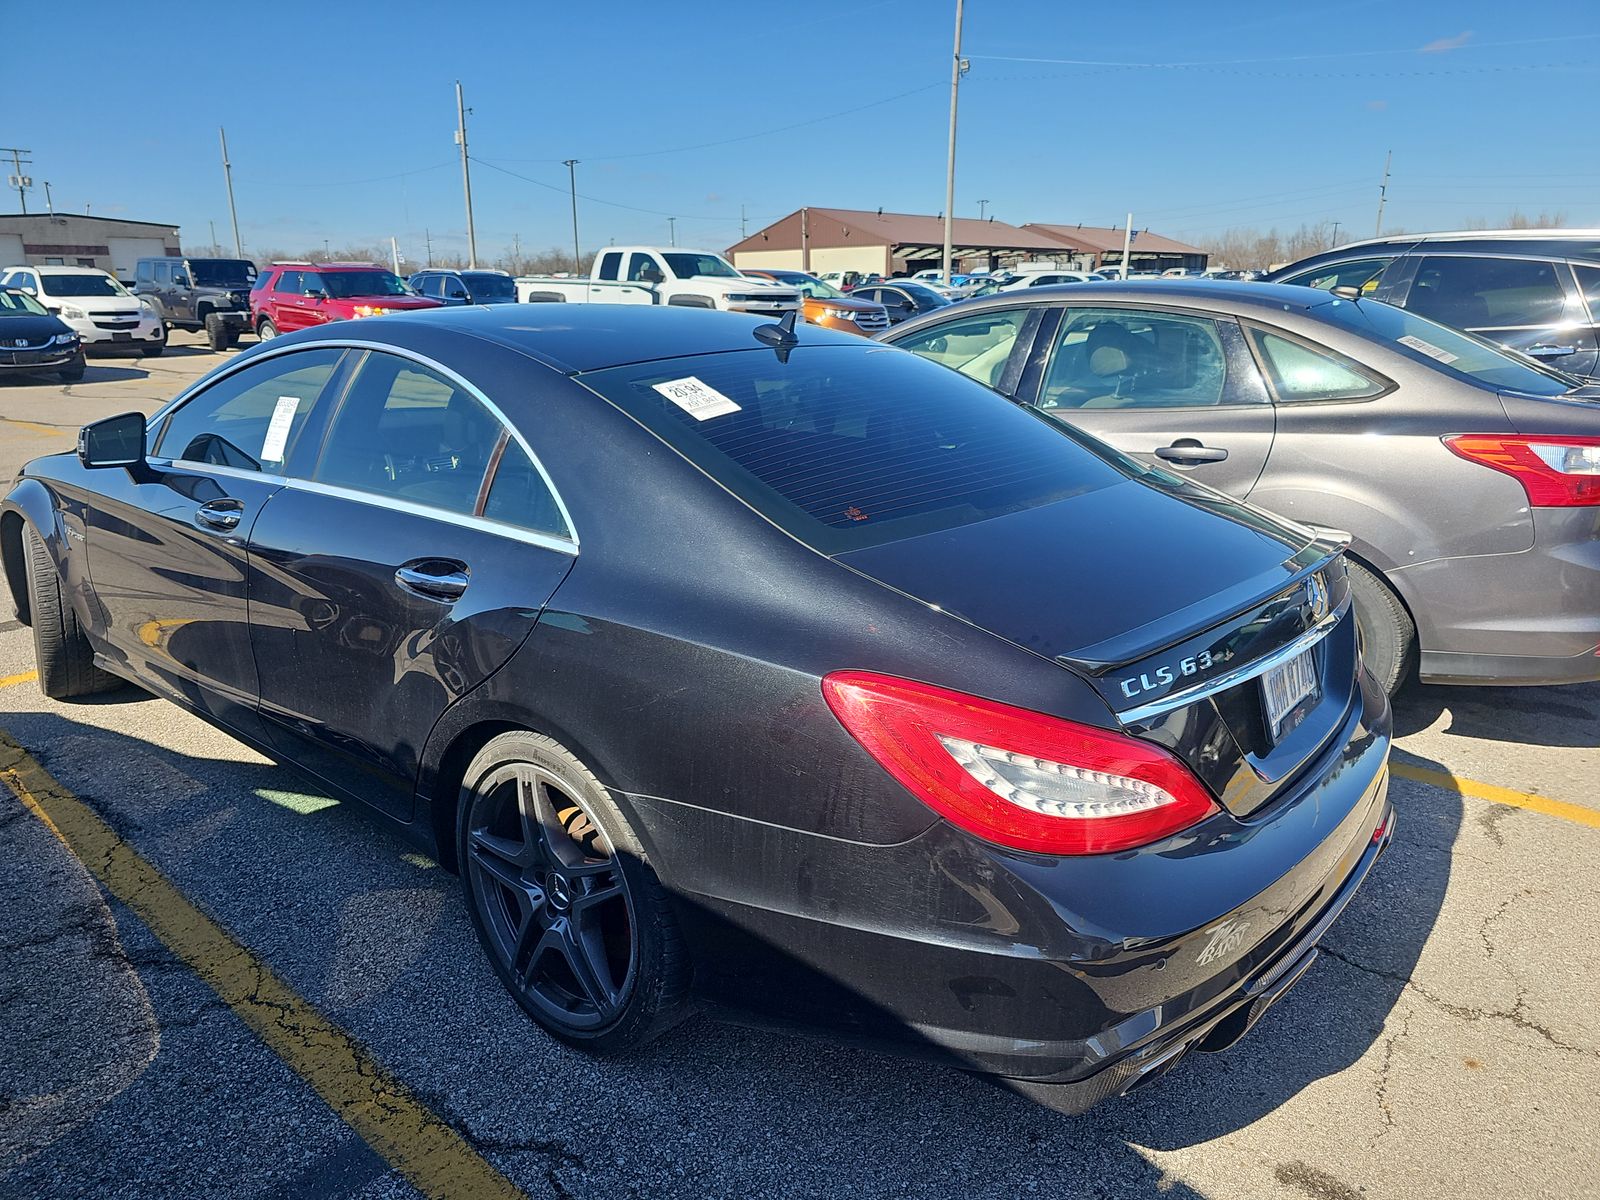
{"x":574,"y":923}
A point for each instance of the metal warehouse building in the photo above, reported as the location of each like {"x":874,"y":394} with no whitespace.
{"x":68,"y":240}
{"x":843,"y":239}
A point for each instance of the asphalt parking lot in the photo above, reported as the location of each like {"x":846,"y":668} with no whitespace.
{"x":239,"y":987}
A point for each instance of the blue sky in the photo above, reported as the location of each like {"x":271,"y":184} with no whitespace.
{"x":340,"y":116}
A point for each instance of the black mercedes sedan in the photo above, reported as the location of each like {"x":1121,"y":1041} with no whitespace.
{"x":736,"y":667}
{"x":33,"y":341}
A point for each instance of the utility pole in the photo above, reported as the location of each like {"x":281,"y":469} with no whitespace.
{"x":19,"y":181}
{"x":214,"y":246}
{"x":1383,"y":193}
{"x":672,"y":231}
{"x":1127,"y":248}
{"x":572,"y":180}
{"x":982,"y":205}
{"x":1336,"y":225}
{"x":327,"y":254}
{"x":956,"y":68}
{"x":427,"y":239}
{"x":394,"y":254}
{"x":805,"y":240}
{"x":227,"y":174}
{"x":466,"y":178}
{"x":49,"y":201}
{"x":743,"y":233}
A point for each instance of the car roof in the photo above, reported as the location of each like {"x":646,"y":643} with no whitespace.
{"x":1231,"y":294}
{"x":574,"y":338}
{"x":332,"y":266}
{"x":59,"y":270}
{"x":1559,"y":243}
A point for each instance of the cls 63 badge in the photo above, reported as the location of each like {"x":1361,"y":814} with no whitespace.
{"x":1149,"y":681}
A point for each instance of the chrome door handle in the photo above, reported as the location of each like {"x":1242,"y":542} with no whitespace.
{"x":1187,"y":450}
{"x":1550,"y":351}
{"x":445,"y":580}
{"x":220,"y":514}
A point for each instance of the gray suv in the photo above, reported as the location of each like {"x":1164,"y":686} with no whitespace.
{"x":212,"y":294}
{"x":1467,"y":477}
{"x":1535,"y":290}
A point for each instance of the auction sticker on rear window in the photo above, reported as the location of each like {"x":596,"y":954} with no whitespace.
{"x":1427,"y":348}
{"x":701,"y":401}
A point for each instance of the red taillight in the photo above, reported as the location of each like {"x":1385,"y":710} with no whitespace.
{"x":1015,"y":777}
{"x":1556,"y":472}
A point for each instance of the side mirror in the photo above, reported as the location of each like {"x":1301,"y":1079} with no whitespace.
{"x":458,"y":294}
{"x":180,"y":281}
{"x":316,"y":294}
{"x":29,"y":288}
{"x":113,"y":441}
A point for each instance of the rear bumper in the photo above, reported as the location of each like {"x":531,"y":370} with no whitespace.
{"x":1527,"y":618}
{"x":1083,"y":974}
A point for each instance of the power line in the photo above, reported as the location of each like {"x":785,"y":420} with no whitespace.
{"x":654,"y":212}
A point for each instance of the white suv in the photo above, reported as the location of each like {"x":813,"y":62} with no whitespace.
{"x":103,"y":312}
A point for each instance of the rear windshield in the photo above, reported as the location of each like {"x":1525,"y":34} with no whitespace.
{"x":847,"y":447}
{"x":1448,"y":349}
{"x":490,"y":287}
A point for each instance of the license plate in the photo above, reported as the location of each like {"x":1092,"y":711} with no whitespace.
{"x":1284,"y":692}
{"x":122,"y":337}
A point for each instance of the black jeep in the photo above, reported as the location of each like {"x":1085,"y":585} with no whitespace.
{"x":199,"y":293}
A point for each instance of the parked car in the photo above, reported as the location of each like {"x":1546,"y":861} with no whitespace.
{"x":826,"y":304}
{"x":650,"y":275}
{"x":1535,"y":290}
{"x":297,"y":295}
{"x":645,"y":621}
{"x":1468,"y":476}
{"x":465,"y":287}
{"x":210,"y":294}
{"x":1050,"y":279}
{"x":34,"y":342}
{"x":847,"y":281}
{"x":104,"y":314}
{"x":902,"y":299}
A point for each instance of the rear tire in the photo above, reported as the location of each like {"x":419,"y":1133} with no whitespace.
{"x":266,"y":331}
{"x":1388,"y":635}
{"x":560,"y":894}
{"x":62,"y":652}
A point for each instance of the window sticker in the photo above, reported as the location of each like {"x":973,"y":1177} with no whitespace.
{"x":1427,"y":348}
{"x":699,"y":400}
{"x":278,"y":428}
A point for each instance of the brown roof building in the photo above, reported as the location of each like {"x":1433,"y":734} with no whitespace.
{"x":844,"y":239}
{"x":1101,"y":246}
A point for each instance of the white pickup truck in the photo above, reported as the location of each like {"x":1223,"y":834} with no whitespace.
{"x":651,"y":275}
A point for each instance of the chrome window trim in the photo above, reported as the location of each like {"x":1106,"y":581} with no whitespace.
{"x":570,"y":539}
{"x":1242,"y":674}
{"x":547,"y":541}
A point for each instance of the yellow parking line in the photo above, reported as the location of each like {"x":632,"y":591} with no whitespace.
{"x":1575,"y":813}
{"x":12,"y":680}
{"x":38,"y":428}
{"x":374,"y":1103}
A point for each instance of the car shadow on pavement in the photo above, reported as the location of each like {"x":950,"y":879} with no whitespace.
{"x":1566,"y":715}
{"x":99,"y":373}
{"x":331,"y":895}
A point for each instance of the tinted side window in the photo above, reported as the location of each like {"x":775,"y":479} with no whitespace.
{"x":1589,"y":281}
{"x":406,"y":432}
{"x":1124,"y":358}
{"x":1300,"y":373}
{"x":251,"y":418}
{"x":1478,"y":293}
{"x":610,"y":264}
{"x":1359,"y":273}
{"x":310,"y":281}
{"x":518,"y":496}
{"x":289,"y":281}
{"x":978,"y":346}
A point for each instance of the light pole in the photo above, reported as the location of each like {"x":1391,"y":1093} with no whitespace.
{"x":572,"y":179}
{"x":466,"y":178}
{"x":672,"y":231}
{"x":956,"y":67}
{"x":982,"y":206}
{"x":227,"y":174}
